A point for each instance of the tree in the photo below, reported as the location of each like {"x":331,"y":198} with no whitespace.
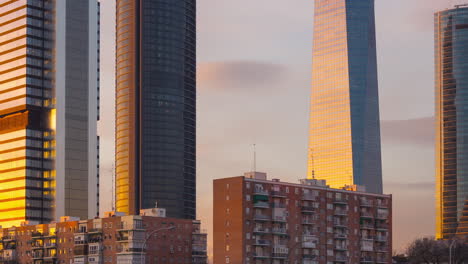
{"x":430,"y":251}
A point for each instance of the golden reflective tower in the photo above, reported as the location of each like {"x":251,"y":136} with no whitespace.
{"x":344,"y":144}
{"x":451,"y":85}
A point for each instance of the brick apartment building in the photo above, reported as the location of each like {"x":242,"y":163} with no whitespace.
{"x":262,"y":221}
{"x":113,"y":239}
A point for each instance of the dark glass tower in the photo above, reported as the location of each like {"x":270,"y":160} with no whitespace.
{"x":451,"y":87}
{"x":344,"y":145}
{"x":155,"y":106}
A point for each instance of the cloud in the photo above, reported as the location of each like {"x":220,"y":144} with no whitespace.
{"x":240,"y":75}
{"x":420,"y":131}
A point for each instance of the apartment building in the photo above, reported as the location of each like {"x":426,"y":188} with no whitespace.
{"x":268,"y":221}
{"x":146,"y":238}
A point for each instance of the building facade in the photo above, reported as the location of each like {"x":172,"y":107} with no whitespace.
{"x":261,"y":221}
{"x":113,"y":239}
{"x":48,"y":104}
{"x":344,"y":144}
{"x":451,"y":84}
{"x":155,"y":106}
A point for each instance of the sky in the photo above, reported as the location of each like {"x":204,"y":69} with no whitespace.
{"x":254,"y":75}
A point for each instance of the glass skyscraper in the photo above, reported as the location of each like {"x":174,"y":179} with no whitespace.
{"x":48,"y":110}
{"x":451,"y":90}
{"x":344,"y":144}
{"x":155,"y":106}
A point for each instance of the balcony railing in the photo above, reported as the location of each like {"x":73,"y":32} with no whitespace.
{"x":262,"y":242}
{"x":367,"y":215}
{"x":367,"y":226}
{"x":279,"y":255}
{"x":260,"y":217}
{"x":367,"y":259}
{"x":260,"y":255}
{"x":261,"y":205}
{"x":366,"y":203}
{"x":307,"y":209}
{"x":341,"y":200}
{"x":261,"y":230}
{"x":381,"y":238}
{"x":341,"y":236}
{"x":382,"y":226}
{"x":340,"y":247}
{"x":309,"y":197}
{"x":341,"y":212}
{"x":340,"y":223}
{"x":278,"y":194}
{"x":260,"y":192}
{"x":382,"y":216}
{"x":279,"y":219}
{"x":277,"y":230}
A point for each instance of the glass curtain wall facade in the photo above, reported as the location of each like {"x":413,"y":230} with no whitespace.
{"x":451,"y":87}
{"x":155,"y":106}
{"x":344,"y":143}
{"x":36,"y":183}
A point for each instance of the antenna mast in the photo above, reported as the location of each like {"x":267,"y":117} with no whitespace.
{"x":254,"y":157}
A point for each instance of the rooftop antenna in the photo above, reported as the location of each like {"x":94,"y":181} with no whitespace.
{"x":254,"y":157}
{"x":312,"y":163}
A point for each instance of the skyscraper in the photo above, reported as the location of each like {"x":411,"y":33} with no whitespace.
{"x":344,"y":144}
{"x":451,"y":88}
{"x":155,"y":106}
{"x":48,"y":97}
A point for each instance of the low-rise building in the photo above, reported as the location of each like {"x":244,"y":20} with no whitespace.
{"x":146,"y":238}
{"x":261,"y":221}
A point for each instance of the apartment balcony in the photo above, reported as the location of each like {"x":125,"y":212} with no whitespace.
{"x":368,"y":226}
{"x":262,"y":218}
{"x":367,"y":259}
{"x":95,"y":230}
{"x":341,"y":259}
{"x":279,"y":255}
{"x":262,"y":243}
{"x":50,"y":245}
{"x":260,"y":255}
{"x":368,"y":238}
{"x":341,"y":247}
{"x":341,"y":236}
{"x":278,"y":194}
{"x":368,"y":215}
{"x":382,"y":216}
{"x":281,"y":219}
{"x":261,"y":230}
{"x":381,"y":238}
{"x":341,"y":212}
{"x":260,"y":192}
{"x":261,"y":205}
{"x":36,"y":234}
{"x":279,"y":231}
{"x":307,"y":222}
{"x":309,"y":245}
{"x":383,"y":205}
{"x":381,"y":260}
{"x":381,"y":227}
{"x":340,"y":223}
{"x":342,"y":201}
{"x":309,"y":257}
{"x":9,"y":238}
{"x":382,"y":249}
{"x":366,"y":203}
{"x":309,"y":197}
{"x":307,"y":209}
{"x":37,"y":245}
{"x":278,"y":205}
